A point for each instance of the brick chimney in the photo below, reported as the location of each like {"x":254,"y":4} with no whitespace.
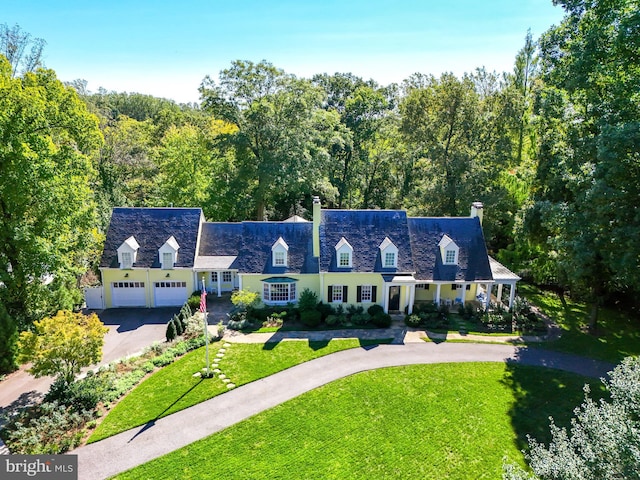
{"x":316,"y":226}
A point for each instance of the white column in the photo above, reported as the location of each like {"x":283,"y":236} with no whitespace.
{"x":412,"y":297}
{"x":386,"y":298}
{"x":464,"y":293}
{"x":512,"y":294}
{"x":437,"y":299}
{"x":219,"y":284}
{"x":487,"y":299}
{"x":499,"y":293}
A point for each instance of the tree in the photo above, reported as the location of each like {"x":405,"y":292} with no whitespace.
{"x":588,"y":161}
{"x":603,"y":441}
{"x":47,"y":227}
{"x":276,"y":142}
{"x":23,"y":52}
{"x":63,"y":344}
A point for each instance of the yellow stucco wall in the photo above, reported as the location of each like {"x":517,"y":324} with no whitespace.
{"x":148,"y":276}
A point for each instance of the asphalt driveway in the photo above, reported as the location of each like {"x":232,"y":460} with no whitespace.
{"x":130,"y":331}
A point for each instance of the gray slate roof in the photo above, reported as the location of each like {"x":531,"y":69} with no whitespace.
{"x":151,"y":228}
{"x":473,"y":259}
{"x":220,"y":239}
{"x":255,"y":254}
{"x":365,"y":230}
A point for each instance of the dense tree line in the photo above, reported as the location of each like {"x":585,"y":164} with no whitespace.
{"x":550,"y":148}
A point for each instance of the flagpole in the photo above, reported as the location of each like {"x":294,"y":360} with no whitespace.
{"x":203,"y":304}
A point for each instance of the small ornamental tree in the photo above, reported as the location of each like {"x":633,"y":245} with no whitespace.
{"x":63,"y":344}
{"x":171,"y":330}
{"x":245,"y":298}
{"x":603,"y":441}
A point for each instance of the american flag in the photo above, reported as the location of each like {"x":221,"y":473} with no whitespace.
{"x":203,"y":301}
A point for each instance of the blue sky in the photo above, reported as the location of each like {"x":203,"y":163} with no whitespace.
{"x":165,"y":48}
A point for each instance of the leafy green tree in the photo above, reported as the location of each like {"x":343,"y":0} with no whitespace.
{"x":8,"y":341}
{"x":603,"y":441}
{"x":588,"y":168}
{"x":277,"y":144}
{"x":63,"y":344}
{"x":47,"y":232}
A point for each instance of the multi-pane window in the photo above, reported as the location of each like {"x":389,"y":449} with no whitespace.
{"x":389,"y":259}
{"x":214,"y":277}
{"x":336,"y":294}
{"x":127,"y":261}
{"x":167,"y":260}
{"x":226,"y":277}
{"x":344,"y":259}
{"x":422,"y":286}
{"x":279,"y":258}
{"x":171,"y":284}
{"x":366,"y":293}
{"x":279,"y":292}
{"x":450,"y":257}
{"x":128,"y":284}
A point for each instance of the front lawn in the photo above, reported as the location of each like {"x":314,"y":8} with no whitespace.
{"x":442,"y":421}
{"x":174,"y":388}
{"x":618,"y":334}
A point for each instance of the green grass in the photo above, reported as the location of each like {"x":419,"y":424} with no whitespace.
{"x":174,"y":388}
{"x":618,"y":335}
{"x":447,"y":421}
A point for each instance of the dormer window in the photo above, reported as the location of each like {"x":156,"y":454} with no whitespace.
{"x":280,"y":253}
{"x":127,"y":253}
{"x":168,"y":253}
{"x":389,"y":254}
{"x":449,"y":251}
{"x":344,"y":254}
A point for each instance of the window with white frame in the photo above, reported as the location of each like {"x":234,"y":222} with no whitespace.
{"x":422,"y":286}
{"x":279,"y":253}
{"x":344,"y":254}
{"x":279,"y":259}
{"x":127,"y":259}
{"x":450,"y":257}
{"x":214,"y":277}
{"x":366,"y":293}
{"x":279,"y":292}
{"x":388,"y":253}
{"x":226,"y":277}
{"x":389,"y":260}
{"x":167,"y":260}
{"x":336,"y":294}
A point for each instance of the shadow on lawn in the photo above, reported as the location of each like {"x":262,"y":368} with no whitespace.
{"x":151,"y":423}
{"x":543,"y":392}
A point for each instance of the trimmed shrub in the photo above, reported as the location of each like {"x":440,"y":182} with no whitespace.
{"x":308,"y":300}
{"x":179,"y":326}
{"x":412,"y":320}
{"x":325,"y":310}
{"x":311,"y":318}
{"x":375,"y":309}
{"x":81,"y":395}
{"x":361,"y":319}
{"x":193,"y":302}
{"x":171,"y":332}
{"x":381,"y":320}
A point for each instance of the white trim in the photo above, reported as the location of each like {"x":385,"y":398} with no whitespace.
{"x":344,"y":247}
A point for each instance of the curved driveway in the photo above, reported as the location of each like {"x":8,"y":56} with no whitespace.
{"x":139,"y":445}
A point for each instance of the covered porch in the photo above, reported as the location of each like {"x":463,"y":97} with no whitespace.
{"x":217,"y":274}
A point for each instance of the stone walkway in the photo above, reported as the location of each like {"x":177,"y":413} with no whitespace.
{"x":139,"y":445}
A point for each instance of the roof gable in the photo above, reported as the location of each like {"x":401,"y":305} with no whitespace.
{"x":151,"y":227}
{"x":427,"y":236}
{"x":366,"y":230}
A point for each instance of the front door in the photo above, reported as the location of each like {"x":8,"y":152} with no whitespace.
{"x":394,"y":298}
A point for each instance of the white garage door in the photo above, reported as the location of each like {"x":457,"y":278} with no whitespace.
{"x":170,"y":294}
{"x":128,"y":294}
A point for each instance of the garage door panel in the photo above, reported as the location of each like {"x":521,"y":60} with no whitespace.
{"x":169,"y":294}
{"x":128,"y":294}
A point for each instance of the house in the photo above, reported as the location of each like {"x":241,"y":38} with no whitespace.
{"x":157,"y":256}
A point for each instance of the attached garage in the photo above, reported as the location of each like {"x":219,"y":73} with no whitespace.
{"x":169,"y":294}
{"x":128,"y":294}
